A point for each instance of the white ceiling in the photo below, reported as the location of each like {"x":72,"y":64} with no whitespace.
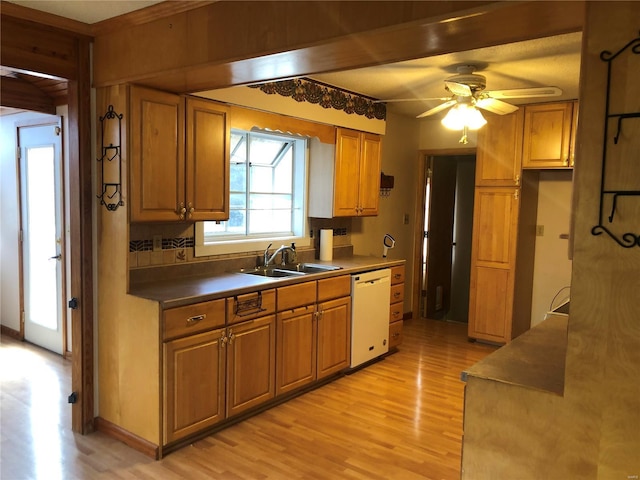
{"x":552,"y":61}
{"x":87,"y":11}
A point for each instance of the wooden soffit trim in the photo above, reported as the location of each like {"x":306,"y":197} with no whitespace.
{"x":17,"y":93}
{"x":196,"y":57}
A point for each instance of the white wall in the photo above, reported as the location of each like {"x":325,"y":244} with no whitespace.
{"x":433,"y":136}
{"x":10,"y":224}
{"x":10,"y":216}
{"x":400,"y":159}
{"x":552,"y":267}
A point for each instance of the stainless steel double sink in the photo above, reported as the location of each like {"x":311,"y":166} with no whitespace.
{"x":290,"y":270}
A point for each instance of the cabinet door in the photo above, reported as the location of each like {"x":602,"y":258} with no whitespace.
{"x":296,"y":349}
{"x":156,"y":189}
{"x":493,"y":256}
{"x":193,"y":384}
{"x":334,"y":336}
{"x":547,"y":135}
{"x":347,"y":173}
{"x":369,"y":182}
{"x":499,"y":153}
{"x":207,"y":163}
{"x":250,"y":364}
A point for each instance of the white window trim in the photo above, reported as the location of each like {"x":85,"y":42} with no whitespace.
{"x":252,"y":244}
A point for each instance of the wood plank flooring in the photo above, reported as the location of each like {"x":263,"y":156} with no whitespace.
{"x":400,"y":418}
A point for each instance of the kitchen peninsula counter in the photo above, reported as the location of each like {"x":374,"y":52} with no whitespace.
{"x":535,"y":359}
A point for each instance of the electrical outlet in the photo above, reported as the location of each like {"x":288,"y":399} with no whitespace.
{"x":157,"y":243}
{"x":539,"y":230}
{"x":405,"y":219}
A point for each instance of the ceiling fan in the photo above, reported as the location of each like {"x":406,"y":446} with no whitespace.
{"x":468,"y":93}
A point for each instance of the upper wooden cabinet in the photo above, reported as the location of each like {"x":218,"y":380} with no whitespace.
{"x":498,"y":158}
{"x":549,"y":131}
{"x":350,"y":186}
{"x":179,"y":150}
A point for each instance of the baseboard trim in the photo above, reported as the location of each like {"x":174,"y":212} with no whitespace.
{"x":137,"y":443}
{"x":10,"y":332}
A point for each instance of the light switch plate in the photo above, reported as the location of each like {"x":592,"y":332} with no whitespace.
{"x":157,"y":243}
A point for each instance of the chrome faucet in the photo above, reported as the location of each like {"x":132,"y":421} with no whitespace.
{"x":283,"y":249}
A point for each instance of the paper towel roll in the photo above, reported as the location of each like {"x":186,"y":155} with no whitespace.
{"x":326,"y":244}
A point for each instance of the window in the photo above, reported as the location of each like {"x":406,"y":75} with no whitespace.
{"x":267,"y":195}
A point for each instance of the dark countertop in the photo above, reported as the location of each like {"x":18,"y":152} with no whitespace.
{"x":184,"y":291}
{"x":536,"y":359}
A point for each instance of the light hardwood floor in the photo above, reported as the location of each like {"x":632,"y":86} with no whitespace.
{"x":400,"y":418}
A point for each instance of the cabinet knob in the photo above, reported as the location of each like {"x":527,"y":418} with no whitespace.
{"x":517,"y":180}
{"x":231,"y":336}
{"x":181,"y":210}
{"x":516,"y":194}
{"x":191,"y":209}
{"x":223,"y":340}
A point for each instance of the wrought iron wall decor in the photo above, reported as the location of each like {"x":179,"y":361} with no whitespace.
{"x":628,"y":239}
{"x":111,"y":162}
{"x":306,"y":90}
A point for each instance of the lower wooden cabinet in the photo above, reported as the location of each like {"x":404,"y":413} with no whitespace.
{"x":396,"y":310}
{"x":194,"y":384}
{"x":334,"y":336}
{"x":296,"y":355}
{"x":251,"y":356}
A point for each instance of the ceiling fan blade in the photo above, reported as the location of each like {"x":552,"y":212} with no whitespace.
{"x":459,"y":89}
{"x":439,"y":108}
{"x":440,"y":99}
{"x":496,"y":106}
{"x":525,"y":92}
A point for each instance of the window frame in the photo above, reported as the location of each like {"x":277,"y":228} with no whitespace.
{"x":208,"y":246}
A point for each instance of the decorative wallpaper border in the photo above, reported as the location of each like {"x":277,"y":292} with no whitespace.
{"x":327,"y":96}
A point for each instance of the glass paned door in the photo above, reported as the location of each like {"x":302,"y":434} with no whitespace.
{"x":41,"y":222}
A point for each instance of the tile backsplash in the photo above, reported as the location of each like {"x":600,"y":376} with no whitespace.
{"x":177,"y":246}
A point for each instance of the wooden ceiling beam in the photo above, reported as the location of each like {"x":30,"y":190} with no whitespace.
{"x":200,"y":51}
{"x":17,"y":93}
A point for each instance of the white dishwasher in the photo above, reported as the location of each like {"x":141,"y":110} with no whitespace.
{"x":370,"y":293}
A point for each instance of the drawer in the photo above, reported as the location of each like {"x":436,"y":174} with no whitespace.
{"x":397,"y":274}
{"x":250,"y":306}
{"x":335,"y":287}
{"x":397,"y":293}
{"x":395,"y":334}
{"x":190,"y":319}
{"x":297,"y":295}
{"x":396,"y":312}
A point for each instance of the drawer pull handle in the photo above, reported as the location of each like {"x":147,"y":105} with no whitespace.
{"x":252,"y":306}
{"x":195,"y":319}
{"x":397,"y":275}
{"x":395,"y":314}
{"x":396,"y":295}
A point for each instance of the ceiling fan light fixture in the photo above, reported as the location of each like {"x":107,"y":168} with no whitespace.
{"x":463,"y":115}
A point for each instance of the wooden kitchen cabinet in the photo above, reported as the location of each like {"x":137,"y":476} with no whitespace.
{"x":334,"y":336}
{"x":296,"y":348}
{"x":350,"y":185}
{"x":502,"y":254}
{"x":297,"y":336}
{"x":549,"y":135}
{"x":194,"y":384}
{"x":251,"y":356}
{"x":396,"y":310}
{"x":499,"y":153}
{"x":179,"y":150}
{"x":194,"y":368}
